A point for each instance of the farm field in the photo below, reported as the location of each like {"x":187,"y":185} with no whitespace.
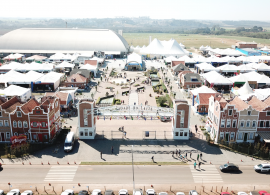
{"x":193,"y":40}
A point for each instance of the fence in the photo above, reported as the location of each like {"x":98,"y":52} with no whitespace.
{"x":247,"y":148}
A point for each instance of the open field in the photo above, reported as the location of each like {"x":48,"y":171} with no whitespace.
{"x":193,"y":40}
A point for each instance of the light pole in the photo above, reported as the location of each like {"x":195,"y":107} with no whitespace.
{"x":133,"y":169}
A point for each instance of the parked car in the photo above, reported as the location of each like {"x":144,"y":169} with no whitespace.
{"x":150,"y":192}
{"x":263,"y":192}
{"x":109,"y":192}
{"x":137,"y":192}
{"x":27,"y":192}
{"x":69,"y":142}
{"x":242,"y":193}
{"x":14,"y":192}
{"x":83,"y":192}
{"x":225,"y":193}
{"x":262,"y":168}
{"x":96,"y":192}
{"x":123,"y":192}
{"x":1,"y":192}
{"x":68,"y":192}
{"x":193,"y":192}
{"x":180,"y":193}
{"x":165,"y":118}
{"x":162,"y":193}
{"x":254,"y":193}
{"x":228,"y":167}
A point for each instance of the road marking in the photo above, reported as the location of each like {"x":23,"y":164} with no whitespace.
{"x":61,"y":173}
{"x":208,"y":174}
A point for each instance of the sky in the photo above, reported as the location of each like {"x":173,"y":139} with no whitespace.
{"x":155,"y":9}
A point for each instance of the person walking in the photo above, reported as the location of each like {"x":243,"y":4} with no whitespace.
{"x":195,"y":165}
{"x":190,"y":154}
{"x":201,"y":155}
{"x":186,"y":155}
{"x":172,"y":153}
{"x":176,"y":152}
{"x":200,"y":165}
{"x":152,"y":158}
{"x":112,"y":149}
{"x":125,"y":134}
{"x":198,"y":157}
{"x":101,"y":155}
{"x":179,"y":152}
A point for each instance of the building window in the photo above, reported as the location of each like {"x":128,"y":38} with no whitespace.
{"x":81,"y":133}
{"x":45,"y":136}
{"x":232,"y":136}
{"x":242,"y":124}
{"x":8,"y":135}
{"x":221,"y":136}
{"x":19,"y":114}
{"x":85,"y":132}
{"x":254,"y":124}
{"x":34,"y":124}
{"x":268,"y":113}
{"x":27,"y":135}
{"x":20,"y":124}
{"x":240,"y":136}
{"x":43,"y":124}
{"x":176,"y":133}
{"x":185,"y":133}
{"x":267,"y":124}
{"x":249,"y":113}
{"x":6,"y":123}
{"x":228,"y":125}
{"x":1,"y":123}
{"x":261,"y":123}
{"x":0,"y":114}
{"x":14,"y":124}
{"x":182,"y":125}
{"x":230,"y":113}
{"x":25,"y":125}
{"x":90,"y":133}
{"x":248,"y":124}
{"x":222,"y":124}
{"x":251,"y":135}
{"x":34,"y":136}
{"x":85,"y":117}
{"x":16,"y":134}
{"x":181,"y":134}
{"x":234,"y":123}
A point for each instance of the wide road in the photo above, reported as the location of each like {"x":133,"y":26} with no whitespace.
{"x":122,"y":174}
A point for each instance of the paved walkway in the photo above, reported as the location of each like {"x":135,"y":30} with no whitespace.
{"x":133,"y":98}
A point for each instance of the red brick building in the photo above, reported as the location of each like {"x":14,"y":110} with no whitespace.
{"x":77,"y":80}
{"x":247,"y":45}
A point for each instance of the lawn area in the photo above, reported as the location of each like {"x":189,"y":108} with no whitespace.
{"x":215,"y":41}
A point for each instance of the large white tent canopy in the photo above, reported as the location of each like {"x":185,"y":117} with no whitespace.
{"x":202,"y":89}
{"x":65,"y":65}
{"x":215,"y":78}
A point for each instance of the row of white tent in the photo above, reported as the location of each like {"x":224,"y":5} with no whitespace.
{"x":215,"y":78}
{"x":233,"y":68}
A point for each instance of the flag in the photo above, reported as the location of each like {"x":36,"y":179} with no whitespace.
{"x":131,"y":118}
{"x":104,"y":118}
{"x":111,"y":118}
{"x":151,"y":117}
{"x":144,"y":118}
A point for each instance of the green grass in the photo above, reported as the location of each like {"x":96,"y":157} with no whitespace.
{"x":135,"y":163}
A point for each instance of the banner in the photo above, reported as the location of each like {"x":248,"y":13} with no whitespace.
{"x":16,"y":140}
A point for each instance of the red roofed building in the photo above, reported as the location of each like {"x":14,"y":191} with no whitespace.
{"x":76,"y":80}
{"x":65,"y":99}
{"x":202,"y":102}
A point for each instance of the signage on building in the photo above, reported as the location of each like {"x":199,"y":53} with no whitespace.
{"x":21,"y":139}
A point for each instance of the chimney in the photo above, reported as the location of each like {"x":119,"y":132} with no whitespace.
{"x":150,"y":39}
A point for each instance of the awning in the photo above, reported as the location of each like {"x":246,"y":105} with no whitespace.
{"x":265,"y":136}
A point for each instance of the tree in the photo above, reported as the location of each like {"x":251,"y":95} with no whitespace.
{"x":162,"y":100}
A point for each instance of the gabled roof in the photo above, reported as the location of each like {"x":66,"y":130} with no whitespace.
{"x":189,"y":76}
{"x":61,"y":95}
{"x":77,"y":77}
{"x":84,"y":72}
{"x":267,"y":101}
{"x":30,"y":105}
{"x":238,"y":103}
{"x":10,"y":105}
{"x":180,"y":67}
{"x":204,"y":98}
{"x":257,"y":104}
{"x":2,"y":100}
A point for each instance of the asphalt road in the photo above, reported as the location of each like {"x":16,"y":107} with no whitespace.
{"x":120,"y":174}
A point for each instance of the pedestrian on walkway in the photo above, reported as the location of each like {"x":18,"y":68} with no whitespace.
{"x":179,"y":152}
{"x":125,"y":134}
{"x":176,"y":152}
{"x":200,"y":165}
{"x":186,"y":155}
{"x":101,"y":155}
{"x":196,"y":129}
{"x":152,"y":159}
{"x":112,"y":149}
{"x":195,"y":165}
{"x":201,"y":155}
{"x":198,"y":157}
{"x":190,"y":154}
{"x":172,"y":153}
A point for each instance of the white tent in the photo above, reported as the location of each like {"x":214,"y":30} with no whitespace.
{"x":264,"y":79}
{"x":36,"y":57}
{"x":89,"y":67}
{"x":227,"y":68}
{"x":261,"y":67}
{"x":134,"y":58}
{"x":64,"y":64}
{"x":181,"y":45}
{"x":14,"y":90}
{"x":238,"y":78}
{"x":11,"y":66}
{"x":245,"y":89}
{"x":51,"y":78}
{"x":206,"y":67}
{"x":245,"y":68}
{"x":265,"y":49}
{"x":202,"y":89}
{"x":100,"y":60}
{"x":215,"y":78}
{"x":13,"y":56}
{"x":187,"y":60}
{"x":170,"y":59}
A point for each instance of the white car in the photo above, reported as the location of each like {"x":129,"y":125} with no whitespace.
{"x":242,"y":193}
{"x":14,"y":192}
{"x":1,"y":192}
{"x":162,"y":193}
{"x":137,"y":192}
{"x":27,"y":192}
{"x":180,"y":193}
{"x":150,"y":192}
{"x":96,"y":192}
{"x":68,"y":192}
{"x":193,"y":192}
{"x":262,"y":167}
{"x":123,"y":192}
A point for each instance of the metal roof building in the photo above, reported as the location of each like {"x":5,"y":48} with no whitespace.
{"x":63,"y":40}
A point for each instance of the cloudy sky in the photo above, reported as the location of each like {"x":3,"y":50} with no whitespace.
{"x":156,"y":9}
